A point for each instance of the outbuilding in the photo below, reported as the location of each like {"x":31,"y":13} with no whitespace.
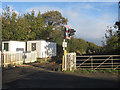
{"x":44,"y":48}
{"x":13,"y":45}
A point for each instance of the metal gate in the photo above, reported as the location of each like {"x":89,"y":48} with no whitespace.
{"x":98,"y":62}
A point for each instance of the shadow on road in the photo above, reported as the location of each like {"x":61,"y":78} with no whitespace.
{"x":46,"y":79}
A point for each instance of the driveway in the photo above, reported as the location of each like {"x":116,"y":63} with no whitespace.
{"x":33,"y":77}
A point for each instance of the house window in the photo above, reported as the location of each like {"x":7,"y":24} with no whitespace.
{"x":33,"y":46}
{"x":6,"y":46}
{"x":19,"y":49}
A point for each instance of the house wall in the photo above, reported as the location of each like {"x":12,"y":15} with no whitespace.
{"x":16,"y":44}
{"x":13,"y":45}
{"x":44,"y":49}
{"x":51,"y":49}
{"x":39,"y":47}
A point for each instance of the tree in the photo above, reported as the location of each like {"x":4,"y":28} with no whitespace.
{"x":47,"y":26}
{"x":6,"y":24}
{"x":54,"y":18}
{"x":40,"y":26}
{"x":112,"y":41}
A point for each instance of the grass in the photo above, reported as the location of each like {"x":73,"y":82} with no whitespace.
{"x":82,"y":70}
{"x":42,"y":61}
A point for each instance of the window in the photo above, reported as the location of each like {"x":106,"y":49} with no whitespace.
{"x":6,"y":46}
{"x":33,"y":46}
{"x":19,"y":49}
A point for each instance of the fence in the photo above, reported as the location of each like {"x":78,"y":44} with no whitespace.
{"x":69,"y":61}
{"x":12,"y":58}
{"x":18,"y":57}
{"x":30,"y":57}
{"x":99,"y":62}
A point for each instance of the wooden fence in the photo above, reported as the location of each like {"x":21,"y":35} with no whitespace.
{"x":17,"y":58}
{"x":12,"y":58}
{"x":30,"y":57}
{"x":98,"y":62}
{"x":69,"y":62}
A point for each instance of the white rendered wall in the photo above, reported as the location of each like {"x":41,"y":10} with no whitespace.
{"x":40,"y":47}
{"x":44,"y":49}
{"x":17,"y":44}
{"x":13,"y":45}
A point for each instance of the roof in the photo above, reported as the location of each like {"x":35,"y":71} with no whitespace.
{"x":12,"y":40}
{"x":37,"y":40}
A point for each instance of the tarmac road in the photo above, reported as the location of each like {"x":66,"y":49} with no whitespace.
{"x":29,"y":77}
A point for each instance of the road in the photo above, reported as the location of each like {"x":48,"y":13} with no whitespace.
{"x":33,"y":77}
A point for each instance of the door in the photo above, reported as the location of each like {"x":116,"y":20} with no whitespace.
{"x":6,"y":46}
{"x":33,"y":46}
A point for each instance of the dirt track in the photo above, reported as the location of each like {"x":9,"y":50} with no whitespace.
{"x":33,"y":77}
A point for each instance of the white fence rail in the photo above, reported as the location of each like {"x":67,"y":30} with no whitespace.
{"x":18,"y":57}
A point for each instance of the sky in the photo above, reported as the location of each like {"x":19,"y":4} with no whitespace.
{"x":89,"y":19}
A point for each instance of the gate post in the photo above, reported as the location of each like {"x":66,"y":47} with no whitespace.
{"x":74,"y":60}
{"x":65,"y":60}
{"x":63,"y":63}
{"x":91,"y":62}
{"x":112,"y":61}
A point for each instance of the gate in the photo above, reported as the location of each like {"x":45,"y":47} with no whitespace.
{"x":69,"y":62}
{"x":98,"y":62}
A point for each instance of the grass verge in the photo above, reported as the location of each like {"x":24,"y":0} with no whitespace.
{"x":86,"y":71}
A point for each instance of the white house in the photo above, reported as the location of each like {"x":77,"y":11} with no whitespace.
{"x":13,"y":45}
{"x":44,"y":49}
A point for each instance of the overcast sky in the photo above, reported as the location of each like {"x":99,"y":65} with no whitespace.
{"x":89,"y":19}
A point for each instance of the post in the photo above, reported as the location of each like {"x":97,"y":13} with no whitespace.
{"x":24,"y":57}
{"x":45,"y":55}
{"x":112,"y":61}
{"x":3,"y":62}
{"x":64,"y":58}
{"x":74,"y":60}
{"x":63,"y":63}
{"x":91,"y":62}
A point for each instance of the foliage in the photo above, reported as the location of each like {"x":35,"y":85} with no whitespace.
{"x":112,"y":42}
{"x":47,"y":26}
{"x":54,"y":18}
{"x":80,"y":46}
